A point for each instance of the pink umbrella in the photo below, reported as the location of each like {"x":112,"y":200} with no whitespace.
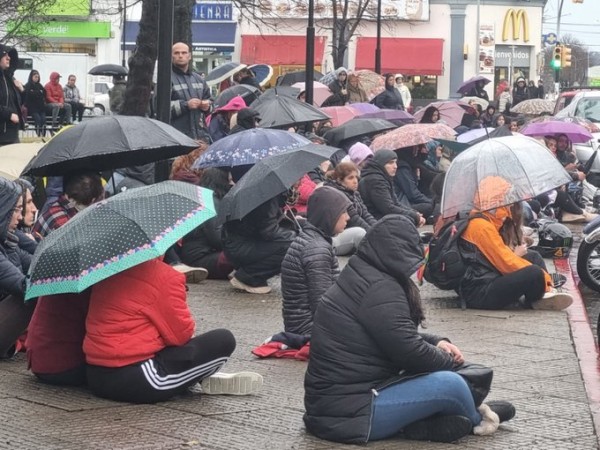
{"x":371,"y":82}
{"x":320,"y":91}
{"x":340,"y":114}
{"x":399,"y":138}
{"x":451,"y":111}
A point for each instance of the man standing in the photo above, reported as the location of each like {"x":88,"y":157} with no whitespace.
{"x":190,"y":95}
{"x":55,"y":99}
{"x":10,"y":98}
{"x":73,"y":98}
{"x":404,"y":91}
{"x":540,"y":90}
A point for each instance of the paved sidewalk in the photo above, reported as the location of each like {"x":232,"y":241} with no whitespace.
{"x":535,"y":362}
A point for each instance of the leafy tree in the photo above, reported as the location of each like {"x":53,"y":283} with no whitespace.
{"x":19,"y":18}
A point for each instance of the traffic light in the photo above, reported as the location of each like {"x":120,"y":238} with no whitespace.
{"x":565,"y":60}
{"x":556,"y":57}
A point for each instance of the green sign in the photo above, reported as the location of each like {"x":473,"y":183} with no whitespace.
{"x":65,"y":29}
{"x":68,"y":8}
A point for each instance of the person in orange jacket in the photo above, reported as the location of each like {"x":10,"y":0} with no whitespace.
{"x":139,"y":343}
{"x":498,"y":276}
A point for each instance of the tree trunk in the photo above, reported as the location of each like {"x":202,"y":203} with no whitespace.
{"x":182,"y":22}
{"x":142,"y":62}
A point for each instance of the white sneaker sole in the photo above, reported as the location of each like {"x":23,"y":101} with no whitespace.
{"x":556,"y":302}
{"x":196,"y":276}
{"x":250,"y":289}
{"x":241,"y":383}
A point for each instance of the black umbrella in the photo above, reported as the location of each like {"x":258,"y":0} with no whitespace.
{"x":357,"y":128}
{"x":295,"y":77}
{"x":268,"y":95}
{"x":270,"y":177}
{"x":223,"y":72}
{"x":247,"y":92}
{"x":283,"y":111}
{"x":109,"y":142}
{"x":109,"y":70}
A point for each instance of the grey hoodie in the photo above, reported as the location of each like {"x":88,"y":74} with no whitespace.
{"x":325,"y":206}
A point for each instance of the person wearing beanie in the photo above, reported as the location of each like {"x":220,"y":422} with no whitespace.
{"x":359,"y":154}
{"x":247,"y":118}
{"x":11,"y":119}
{"x":377,"y":189}
{"x":310,"y":266}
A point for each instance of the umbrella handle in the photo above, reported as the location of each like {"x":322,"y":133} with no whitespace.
{"x":590,"y":162}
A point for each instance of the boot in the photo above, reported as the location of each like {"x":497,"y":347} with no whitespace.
{"x":439,"y":429}
{"x":504,"y":410}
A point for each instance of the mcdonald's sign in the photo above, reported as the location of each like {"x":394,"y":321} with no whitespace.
{"x":514,"y":18}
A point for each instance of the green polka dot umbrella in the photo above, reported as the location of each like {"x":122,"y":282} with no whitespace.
{"x":116,"y":234}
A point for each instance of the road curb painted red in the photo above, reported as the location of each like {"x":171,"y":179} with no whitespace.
{"x":585,"y":344}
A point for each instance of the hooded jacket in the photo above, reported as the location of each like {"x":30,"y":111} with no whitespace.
{"x":337,"y":98}
{"x":246,"y":119}
{"x":406,"y":183}
{"x":310,"y":266}
{"x":54,"y":91}
{"x":14,"y":262}
{"x":364,"y":338}
{"x":377,"y":190}
{"x":10,"y":99}
{"x":520,"y":93}
{"x":390,"y":98}
{"x":218,"y":125}
{"x":34,"y":95}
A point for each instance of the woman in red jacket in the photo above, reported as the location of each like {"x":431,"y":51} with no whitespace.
{"x":139,"y":345}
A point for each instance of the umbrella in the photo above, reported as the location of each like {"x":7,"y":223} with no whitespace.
{"x":247,"y":92}
{"x":396,"y":116}
{"x":588,"y":125}
{"x":262,"y":73}
{"x":15,"y":157}
{"x":433,"y":130}
{"x":480,"y":101}
{"x":468,"y":85}
{"x":400,"y":138}
{"x":528,"y":166}
{"x":287,"y":91}
{"x":223,"y":72}
{"x":534,"y":107}
{"x":320,"y":91}
{"x":340,"y":114}
{"x":284,"y":111}
{"x":249,"y":147}
{"x":451,"y":111}
{"x":497,"y":132}
{"x":108,"y":70}
{"x":576,"y":133}
{"x":109,"y":142}
{"x":357,"y":128}
{"x":116,"y":234}
{"x":473,"y":134}
{"x":294,"y":77}
{"x":371,"y":82}
{"x":270,"y":177}
{"x":365,"y":108}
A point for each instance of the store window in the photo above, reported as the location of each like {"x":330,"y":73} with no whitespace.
{"x":422,"y":86}
{"x":62,"y":47}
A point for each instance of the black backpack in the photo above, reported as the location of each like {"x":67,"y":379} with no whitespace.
{"x":445,"y":266}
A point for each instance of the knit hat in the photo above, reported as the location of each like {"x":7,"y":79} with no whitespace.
{"x":382,"y":157}
{"x":359,"y":152}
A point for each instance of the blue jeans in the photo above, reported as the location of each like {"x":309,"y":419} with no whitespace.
{"x":444,"y":393}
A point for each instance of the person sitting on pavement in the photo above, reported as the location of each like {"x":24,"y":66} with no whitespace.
{"x":80,"y":191}
{"x":377,"y":189}
{"x":406,"y":181}
{"x":140,"y":345}
{"x":431,"y":115}
{"x":390,"y":98}
{"x":203,"y":246}
{"x":28,"y":240}
{"x":371,"y":373}
{"x":498,"y":276}
{"x":218,"y":121}
{"x":310,"y":266}
{"x":257,"y":243}
{"x":15,"y":314}
{"x":487,"y":118}
{"x":358,"y":154}
{"x":247,"y":118}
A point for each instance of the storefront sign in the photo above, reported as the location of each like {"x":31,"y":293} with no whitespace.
{"x":416,"y":10}
{"x":513,"y":56}
{"x":66,"y":29}
{"x":486,"y":48}
{"x":212,"y":11}
{"x":514,"y":18}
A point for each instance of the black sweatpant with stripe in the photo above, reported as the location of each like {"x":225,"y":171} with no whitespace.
{"x":169,"y":373}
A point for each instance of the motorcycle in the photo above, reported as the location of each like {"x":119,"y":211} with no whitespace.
{"x":588,"y":256}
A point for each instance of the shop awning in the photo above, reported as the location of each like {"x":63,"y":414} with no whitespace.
{"x":279,"y":50}
{"x":408,"y":56}
{"x":216,"y":37}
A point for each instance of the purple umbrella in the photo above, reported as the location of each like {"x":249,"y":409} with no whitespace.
{"x":364,"y":108}
{"x":466,"y":86}
{"x":576,"y":133}
{"x":396,"y":116}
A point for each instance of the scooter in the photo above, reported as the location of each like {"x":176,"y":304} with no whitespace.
{"x":588,"y":256}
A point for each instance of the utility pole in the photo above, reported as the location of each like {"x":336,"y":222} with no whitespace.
{"x":310,"y":53}
{"x":378,"y":44}
{"x":477,"y":37}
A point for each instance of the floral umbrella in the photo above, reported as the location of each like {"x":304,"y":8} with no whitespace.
{"x":405,"y":136}
{"x":371,"y":82}
{"x":534,"y":107}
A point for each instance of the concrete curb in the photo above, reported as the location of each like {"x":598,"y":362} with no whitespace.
{"x":583,"y":339}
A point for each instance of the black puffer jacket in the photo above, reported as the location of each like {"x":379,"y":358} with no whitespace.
{"x":389,"y":99}
{"x":204,"y":243}
{"x":364,"y":338}
{"x":358,"y":212}
{"x":377,"y":190}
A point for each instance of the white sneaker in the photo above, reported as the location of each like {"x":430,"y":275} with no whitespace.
{"x":573,"y":218}
{"x":193,"y":275}
{"x":241,"y":383}
{"x":250,"y":289}
{"x":553,"y":301}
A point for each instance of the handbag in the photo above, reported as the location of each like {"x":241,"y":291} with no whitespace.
{"x":478,"y":378}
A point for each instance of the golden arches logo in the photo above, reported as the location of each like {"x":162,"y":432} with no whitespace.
{"x":515,"y":17}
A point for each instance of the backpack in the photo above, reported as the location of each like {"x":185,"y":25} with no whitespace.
{"x":445,"y":266}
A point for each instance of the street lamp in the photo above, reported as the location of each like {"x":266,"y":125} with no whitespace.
{"x":310,"y":53}
{"x":378,"y":44}
{"x":124,"y":30}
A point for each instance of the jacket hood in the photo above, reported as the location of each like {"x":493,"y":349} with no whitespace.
{"x":31,"y":74}
{"x":246,"y":117}
{"x":393,"y":246}
{"x":325,"y":206}
{"x":54,"y":76}
{"x":491,"y":198}
{"x":375,"y":167}
{"x":235,"y":104}
{"x":9,"y":194}
{"x":359,"y":152}
{"x":14,"y":56}
{"x":340,"y":70}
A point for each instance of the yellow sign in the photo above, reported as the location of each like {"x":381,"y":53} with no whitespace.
{"x":515,"y":17}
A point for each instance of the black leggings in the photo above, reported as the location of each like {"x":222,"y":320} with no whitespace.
{"x":15,"y":315}
{"x":169,"y":373}
{"x":566,"y":203}
{"x":507,"y":289}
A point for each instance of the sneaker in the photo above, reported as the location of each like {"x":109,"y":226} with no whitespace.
{"x":439,"y":429}
{"x":528,"y":231}
{"x":553,"y":301}
{"x":250,"y":289}
{"x":589,"y":216}
{"x":193,"y":275}
{"x":558,"y":280}
{"x":504,"y":410}
{"x":573,"y":218}
{"x":241,"y":383}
